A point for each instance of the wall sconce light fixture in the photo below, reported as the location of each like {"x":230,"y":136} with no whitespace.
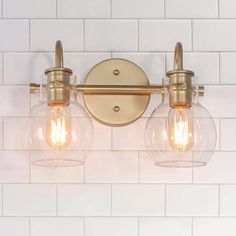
{"x":116,"y":92}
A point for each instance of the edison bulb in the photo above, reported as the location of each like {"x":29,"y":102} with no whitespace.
{"x":183,"y":137}
{"x":58,"y":126}
{"x":181,"y":129}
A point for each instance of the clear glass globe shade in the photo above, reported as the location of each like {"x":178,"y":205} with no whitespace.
{"x":202,"y":137}
{"x":59,"y":136}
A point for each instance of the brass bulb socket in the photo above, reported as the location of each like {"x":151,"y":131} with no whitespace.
{"x":180,"y":88}
{"x":58,"y":86}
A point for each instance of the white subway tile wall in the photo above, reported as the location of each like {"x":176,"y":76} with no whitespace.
{"x":118,"y":191}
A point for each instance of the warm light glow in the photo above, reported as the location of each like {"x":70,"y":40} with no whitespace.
{"x":180,"y":127}
{"x":58,"y":127}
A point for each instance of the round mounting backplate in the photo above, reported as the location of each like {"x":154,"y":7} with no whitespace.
{"x":116,"y":110}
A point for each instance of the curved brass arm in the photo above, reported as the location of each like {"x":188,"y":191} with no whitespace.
{"x":178,"y":58}
{"x":58,"y":54}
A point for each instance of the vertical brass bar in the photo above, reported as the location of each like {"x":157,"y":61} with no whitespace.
{"x":58,"y":54}
{"x":178,"y":58}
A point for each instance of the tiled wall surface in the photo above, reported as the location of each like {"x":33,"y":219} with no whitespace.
{"x":119,"y":192}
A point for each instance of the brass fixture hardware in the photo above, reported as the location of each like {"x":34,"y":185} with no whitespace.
{"x":116,"y":92}
{"x":58,"y":80}
{"x":117,"y":83}
{"x":180,"y":81}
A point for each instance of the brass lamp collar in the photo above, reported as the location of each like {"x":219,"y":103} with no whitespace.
{"x":58,"y":80}
{"x":180,"y":82}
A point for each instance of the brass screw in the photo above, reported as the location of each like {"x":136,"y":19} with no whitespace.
{"x":116,"y":72}
{"x":116,"y":108}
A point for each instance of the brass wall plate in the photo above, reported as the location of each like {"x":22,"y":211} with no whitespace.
{"x":116,"y":110}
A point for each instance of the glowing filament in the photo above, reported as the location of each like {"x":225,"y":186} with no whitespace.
{"x":58,"y":128}
{"x":181,"y":129}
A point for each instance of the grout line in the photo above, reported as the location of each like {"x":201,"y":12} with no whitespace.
{"x":84,"y":225}
{"x":56,"y":9}
{"x":219,"y":190}
{"x":191,"y":226}
{"x":84,"y":176}
{"x":29,"y":35}
{"x":56,"y":199}
{"x":138,"y":35}
{"x":126,"y":51}
{"x":164,"y":5}
{"x":138,"y":226}
{"x":84,"y":37}
{"x":3,"y":65}
{"x":191,"y":34}
{"x":218,"y":2}
{"x":112,"y":145}
{"x":165,"y":195}
{"x":219,"y":69}
{"x":138,"y":167}
{"x":29,"y":226}
{"x":2,"y":199}
{"x":120,"y":183}
{"x":30,"y":178}
{"x":124,"y":216}
{"x":2,"y":8}
{"x":111,"y":189}
{"x":219,"y":135}
{"x":160,"y":18}
{"x":111,"y":8}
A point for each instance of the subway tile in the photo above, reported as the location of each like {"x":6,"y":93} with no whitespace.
{"x":113,"y":226}
{"x":120,"y":35}
{"x":23,"y":68}
{"x":220,"y":169}
{"x":29,"y":9}
{"x":137,"y":200}
{"x":213,"y":35}
{"x":160,"y":35}
{"x":164,"y":226}
{"x":14,"y":167}
{"x":10,"y":226}
{"x":103,"y":131}
{"x":14,"y":35}
{"x":214,"y":226}
{"x":192,"y":200}
{"x":150,"y":173}
{"x":227,"y":134}
{"x":153,"y":64}
{"x":14,"y":100}
{"x":84,"y":200}
{"x":138,"y":9}
{"x":217,"y":99}
{"x":191,"y":9}
{"x":227,"y":200}
{"x":81,"y":63}
{"x":72,"y":35}
{"x":31,"y":200}
{"x":111,"y":167}
{"x":204,"y":65}
{"x":130,"y":137}
{"x":16,"y":126}
{"x":83,"y":9}
{"x":60,"y":226}
{"x":227,"y":62}
{"x":227,"y":8}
